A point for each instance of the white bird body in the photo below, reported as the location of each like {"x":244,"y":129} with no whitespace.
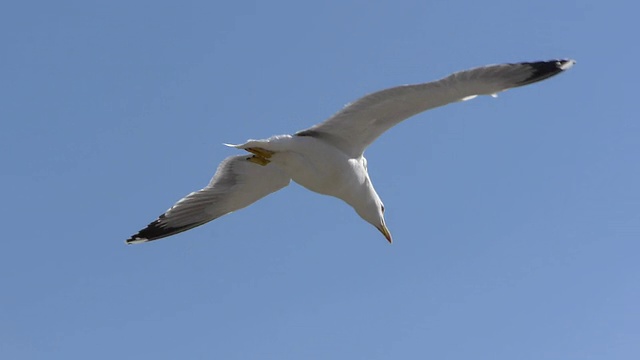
{"x":328,"y":157}
{"x":323,"y":168}
{"x":314,"y":164}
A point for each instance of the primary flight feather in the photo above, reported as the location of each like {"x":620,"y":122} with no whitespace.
{"x":328,"y":157}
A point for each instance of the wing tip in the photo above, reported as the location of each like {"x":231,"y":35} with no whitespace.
{"x":542,"y":70}
{"x":566,"y":64}
{"x":153,"y":231}
{"x":158,"y":229}
{"x":135,"y":240}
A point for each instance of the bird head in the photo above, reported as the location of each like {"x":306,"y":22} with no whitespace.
{"x":373,"y":213}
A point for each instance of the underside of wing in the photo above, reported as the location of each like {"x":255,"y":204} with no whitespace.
{"x":358,"y":124}
{"x":236,"y":184}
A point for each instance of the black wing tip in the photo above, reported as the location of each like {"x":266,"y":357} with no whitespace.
{"x":158,"y":230}
{"x":135,"y":240}
{"x":153,"y":231}
{"x":542,"y":70}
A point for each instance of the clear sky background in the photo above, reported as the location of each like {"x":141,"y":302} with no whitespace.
{"x":516,"y":220}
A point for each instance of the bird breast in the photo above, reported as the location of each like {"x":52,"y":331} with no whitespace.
{"x":323,"y":168}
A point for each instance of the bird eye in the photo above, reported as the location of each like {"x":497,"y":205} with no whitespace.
{"x":382,"y":208}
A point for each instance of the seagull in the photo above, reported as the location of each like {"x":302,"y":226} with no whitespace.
{"x":327,"y":158}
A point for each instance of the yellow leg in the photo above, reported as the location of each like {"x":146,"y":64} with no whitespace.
{"x":260,"y":152}
{"x":258,"y":160}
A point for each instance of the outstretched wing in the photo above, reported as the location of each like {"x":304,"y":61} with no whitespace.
{"x":236,"y":184}
{"x":358,"y":124}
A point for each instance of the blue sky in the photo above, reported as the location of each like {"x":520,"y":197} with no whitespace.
{"x":516,"y":220}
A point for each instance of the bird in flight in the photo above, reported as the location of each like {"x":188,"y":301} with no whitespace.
{"x":328,"y":157}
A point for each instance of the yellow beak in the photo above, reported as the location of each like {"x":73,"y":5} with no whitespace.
{"x":383,"y":229}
